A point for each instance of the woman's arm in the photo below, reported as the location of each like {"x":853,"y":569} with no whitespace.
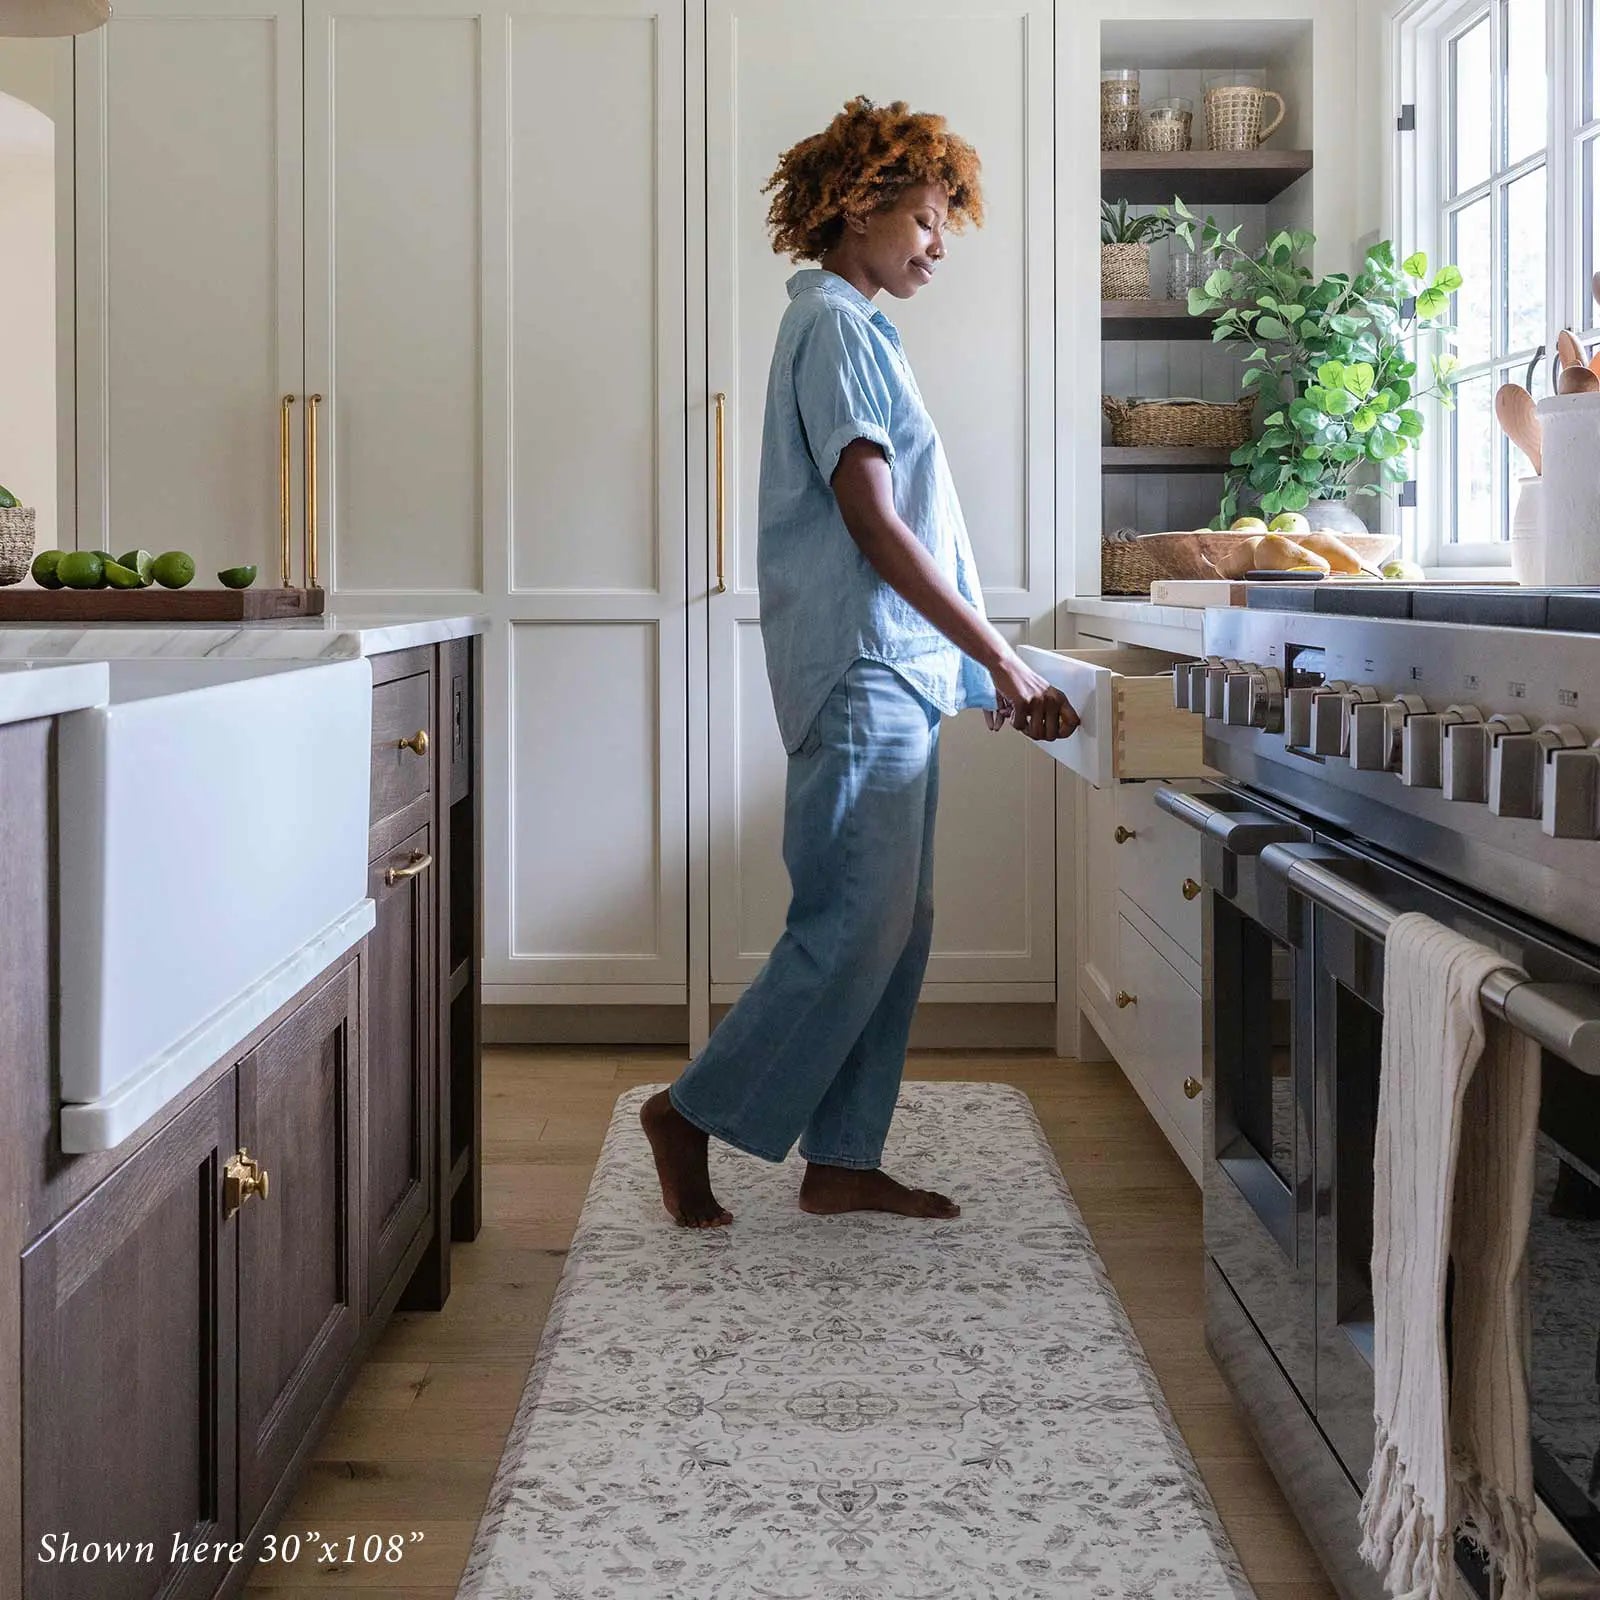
{"x":864,"y":489}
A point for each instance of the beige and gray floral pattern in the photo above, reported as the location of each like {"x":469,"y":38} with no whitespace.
{"x":847,"y":1408}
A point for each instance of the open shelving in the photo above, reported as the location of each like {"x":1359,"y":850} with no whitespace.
{"x":1211,"y":177}
{"x":1151,"y":319}
{"x":1163,"y":458}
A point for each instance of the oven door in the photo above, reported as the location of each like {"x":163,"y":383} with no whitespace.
{"x":1256,"y":1055}
{"x":1564,"y":1237}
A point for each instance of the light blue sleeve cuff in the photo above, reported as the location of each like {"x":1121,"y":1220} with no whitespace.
{"x":847,"y":433}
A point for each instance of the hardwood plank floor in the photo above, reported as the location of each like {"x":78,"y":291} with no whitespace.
{"x":417,"y":1441}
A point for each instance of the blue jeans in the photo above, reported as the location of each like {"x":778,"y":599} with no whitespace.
{"x":815,"y":1047}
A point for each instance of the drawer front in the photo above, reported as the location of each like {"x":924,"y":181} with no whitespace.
{"x":1128,"y":727}
{"x":1157,"y":858}
{"x":1162,"y":1030}
{"x":401,"y":709}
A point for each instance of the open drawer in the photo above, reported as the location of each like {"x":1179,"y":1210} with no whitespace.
{"x":1130,"y":727}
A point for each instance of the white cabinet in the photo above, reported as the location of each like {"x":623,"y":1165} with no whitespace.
{"x":777,"y":70}
{"x":189,"y":280}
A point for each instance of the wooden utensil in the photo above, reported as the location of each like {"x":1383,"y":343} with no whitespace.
{"x":1513,"y":407}
{"x":1569,"y":350}
{"x":1578,"y":380}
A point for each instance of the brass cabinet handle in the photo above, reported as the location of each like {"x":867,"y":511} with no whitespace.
{"x":1192,"y":1087}
{"x":418,"y":742}
{"x":722,"y":496}
{"x":284,"y":489}
{"x":1124,"y":999}
{"x":312,"y":402}
{"x":419,"y":863}
{"x":244,"y":1178}
{"x":1123,"y":835}
{"x":1190,"y":888}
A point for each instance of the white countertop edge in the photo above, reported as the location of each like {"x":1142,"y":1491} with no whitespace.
{"x":338,"y":636}
{"x":1133,"y":609}
{"x":104,"y":1123}
{"x":28,"y":691}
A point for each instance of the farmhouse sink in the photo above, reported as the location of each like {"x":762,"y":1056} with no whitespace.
{"x":212,"y":839}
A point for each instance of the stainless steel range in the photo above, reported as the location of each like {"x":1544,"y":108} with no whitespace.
{"x":1387,"y":750}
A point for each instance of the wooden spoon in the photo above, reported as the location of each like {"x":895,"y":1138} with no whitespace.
{"x":1569,"y":350}
{"x":1578,"y":380}
{"x":1513,"y":406}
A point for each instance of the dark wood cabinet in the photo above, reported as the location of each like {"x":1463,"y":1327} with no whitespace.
{"x":299,"y":1257}
{"x":129,"y":1370}
{"x":399,"y":1103}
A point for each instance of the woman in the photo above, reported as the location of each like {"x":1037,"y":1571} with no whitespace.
{"x":873,"y":624}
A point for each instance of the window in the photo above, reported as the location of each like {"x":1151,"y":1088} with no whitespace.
{"x":1480,"y":187}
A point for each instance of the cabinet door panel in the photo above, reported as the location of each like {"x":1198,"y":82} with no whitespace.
{"x":776,"y":70}
{"x":298,"y":1314}
{"x":190,"y":274}
{"x":399,"y":1186}
{"x":129,"y":1368}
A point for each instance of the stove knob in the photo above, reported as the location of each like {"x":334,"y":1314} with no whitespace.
{"x":1571,"y":800}
{"x":1297,"y":718}
{"x":1197,"y":683}
{"x":1464,"y":763}
{"x":1375,"y":731}
{"x":1421,"y":744}
{"x":1180,"y":686}
{"x":1236,"y":694}
{"x":1266,"y":699}
{"x":1516,"y":767}
{"x":1326,"y":713}
{"x":1216,"y":680}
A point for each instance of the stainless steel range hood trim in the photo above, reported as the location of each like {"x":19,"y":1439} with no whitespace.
{"x":1563,"y":1017}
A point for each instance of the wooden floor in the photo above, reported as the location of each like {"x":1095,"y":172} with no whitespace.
{"x":416,"y":1444}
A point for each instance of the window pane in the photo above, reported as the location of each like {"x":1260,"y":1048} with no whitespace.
{"x":1525,"y":77}
{"x":1591,"y":235}
{"x":1469,"y":250}
{"x":1472,"y":434}
{"x":1471,"y":86}
{"x":1523,"y":261}
{"x":1591,"y":68}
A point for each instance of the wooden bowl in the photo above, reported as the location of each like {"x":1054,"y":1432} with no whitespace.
{"x":1191,"y":555}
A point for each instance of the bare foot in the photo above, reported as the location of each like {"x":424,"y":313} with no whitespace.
{"x":680,"y":1152}
{"x":829,"y":1191}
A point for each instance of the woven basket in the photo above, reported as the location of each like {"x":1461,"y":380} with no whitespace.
{"x":1233,"y":117}
{"x":1125,"y":568}
{"x":1124,"y":272}
{"x":1119,"y":114}
{"x":1159,"y":422}
{"x":17,"y":531}
{"x":1163,"y":135}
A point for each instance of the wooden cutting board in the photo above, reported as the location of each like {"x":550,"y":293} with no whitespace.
{"x":27,"y":603}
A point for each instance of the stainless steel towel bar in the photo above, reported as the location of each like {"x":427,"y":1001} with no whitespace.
{"x":1563,"y":1017}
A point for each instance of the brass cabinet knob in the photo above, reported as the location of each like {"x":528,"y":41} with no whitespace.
{"x":1123,"y":835}
{"x":1124,"y":999}
{"x":418,"y":864}
{"x":1192,"y":1087}
{"x":1190,"y":888}
{"x":418,"y":742}
{"x":244,"y":1178}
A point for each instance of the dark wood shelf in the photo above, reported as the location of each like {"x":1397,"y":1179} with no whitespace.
{"x":1151,"y":319}
{"x":459,"y":979}
{"x":1204,"y":177}
{"x":1162,"y":458}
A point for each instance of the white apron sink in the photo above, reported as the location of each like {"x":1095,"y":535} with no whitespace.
{"x":213,"y":829}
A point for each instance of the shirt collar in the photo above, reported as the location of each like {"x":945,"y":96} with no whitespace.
{"x":836,"y":288}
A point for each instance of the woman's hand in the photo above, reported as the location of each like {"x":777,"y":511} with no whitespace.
{"x":1036,"y":706}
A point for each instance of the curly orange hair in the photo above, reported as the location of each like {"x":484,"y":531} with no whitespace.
{"x":860,"y":163}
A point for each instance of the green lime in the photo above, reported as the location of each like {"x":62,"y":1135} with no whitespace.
{"x":7,"y":499}
{"x":44,"y":569}
{"x":121,"y":577}
{"x":173,"y":569}
{"x":140,"y":561}
{"x":106,"y":557}
{"x":81,"y":569}
{"x":236,"y":577}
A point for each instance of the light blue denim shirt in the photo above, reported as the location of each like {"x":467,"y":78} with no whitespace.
{"x":838,"y":374}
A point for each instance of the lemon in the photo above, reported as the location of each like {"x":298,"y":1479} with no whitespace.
{"x":139,"y":561}
{"x":44,"y":569}
{"x":1290,"y":522}
{"x":121,"y":577}
{"x":1247,"y":525}
{"x":173,"y":569}
{"x":81,"y":569}
{"x":236,"y":577}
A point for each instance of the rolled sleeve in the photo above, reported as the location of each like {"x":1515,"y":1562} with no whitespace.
{"x":841,"y":391}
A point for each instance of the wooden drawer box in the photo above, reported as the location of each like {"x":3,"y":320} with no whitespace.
{"x":402,"y":708}
{"x":1129,"y":726}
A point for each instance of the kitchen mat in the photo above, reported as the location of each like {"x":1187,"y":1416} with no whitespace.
{"x":847,"y":1408}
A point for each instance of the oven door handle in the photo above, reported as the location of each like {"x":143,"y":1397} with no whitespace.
{"x":1562,"y":1017}
{"x":1240,"y":833}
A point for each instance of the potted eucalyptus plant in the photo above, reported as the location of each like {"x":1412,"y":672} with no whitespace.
{"x":1331,"y":360}
{"x":1125,"y":250}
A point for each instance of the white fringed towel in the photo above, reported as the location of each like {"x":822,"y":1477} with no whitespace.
{"x":1458,"y":1111}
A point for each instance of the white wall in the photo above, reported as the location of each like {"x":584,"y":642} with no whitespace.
{"x":28,"y":310}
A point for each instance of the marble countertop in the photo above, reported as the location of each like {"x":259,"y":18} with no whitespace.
{"x":28,"y":691}
{"x":338,"y":636}
{"x":1132,"y":609}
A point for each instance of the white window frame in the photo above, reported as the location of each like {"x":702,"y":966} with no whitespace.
{"x":1419,"y":35}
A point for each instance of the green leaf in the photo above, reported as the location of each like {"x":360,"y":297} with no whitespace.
{"x":1243,"y":454}
{"x":1382,"y":252}
{"x":1276,"y":438}
{"x":1363,"y":420}
{"x":1345,"y":450}
{"x":1295,"y":497}
{"x":1430,"y":303}
{"x":1180,"y":207}
{"x":1448,"y":278}
{"x":1266,"y":302}
{"x":1339,"y":403}
{"x":1270,"y":328}
{"x":1343,"y":322}
{"x":1358,"y":378}
{"x":1263,"y":474}
{"x":1219,"y":283}
{"x":1411,"y":424}
{"x":1273,"y":420}
{"x":1292,"y":312}
{"x":1444,"y":365}
{"x":1253,"y":376}
{"x":1415,"y":265}
{"x":1312,"y":452}
{"x":1331,"y":373}
{"x":1200,"y":303}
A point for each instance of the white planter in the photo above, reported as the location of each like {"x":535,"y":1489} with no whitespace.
{"x":1527,"y":534}
{"x":1569,"y":502}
